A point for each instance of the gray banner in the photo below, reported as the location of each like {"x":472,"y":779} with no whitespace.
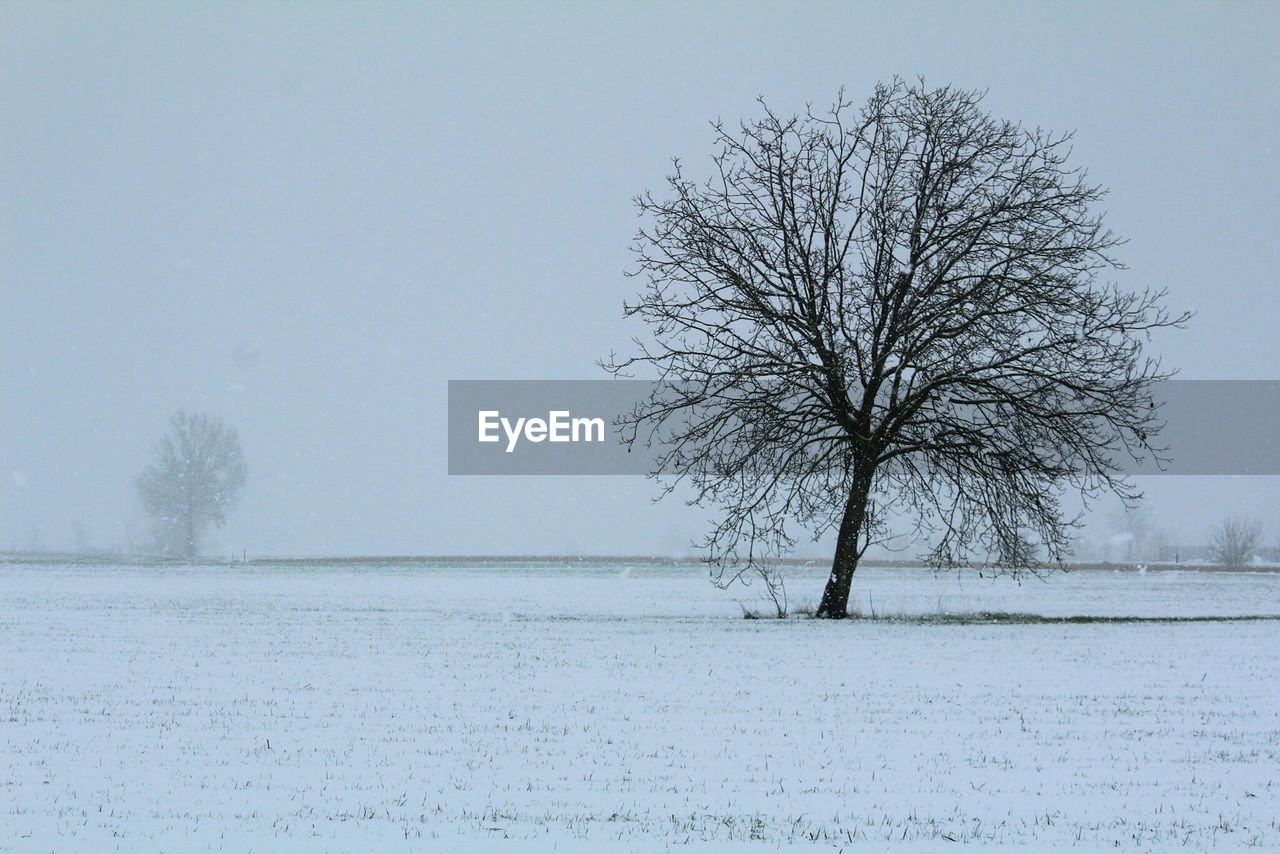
{"x":567,"y":427}
{"x":1218,"y":427}
{"x":488,"y":436}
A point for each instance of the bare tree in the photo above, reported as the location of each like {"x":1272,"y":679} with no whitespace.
{"x":195,"y":478}
{"x":866,"y":313}
{"x":1133,"y":524}
{"x":1162,"y":547}
{"x":80,"y":541}
{"x":1234,"y":541}
{"x":775,"y":585}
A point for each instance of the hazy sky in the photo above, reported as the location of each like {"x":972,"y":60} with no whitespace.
{"x":306,"y":218}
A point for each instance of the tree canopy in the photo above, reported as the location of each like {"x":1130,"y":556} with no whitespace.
{"x":195,"y":478}
{"x":890,"y":310}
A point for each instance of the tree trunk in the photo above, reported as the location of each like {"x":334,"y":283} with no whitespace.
{"x":835,"y":598}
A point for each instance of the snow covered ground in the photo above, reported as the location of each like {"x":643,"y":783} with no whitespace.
{"x":628,"y":708}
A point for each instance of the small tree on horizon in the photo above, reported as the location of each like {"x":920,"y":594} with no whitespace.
{"x":886,"y":311}
{"x":1234,"y":541}
{"x":1133,"y":524}
{"x":195,"y":478}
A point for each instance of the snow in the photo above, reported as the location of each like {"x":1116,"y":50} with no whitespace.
{"x":589,"y":707}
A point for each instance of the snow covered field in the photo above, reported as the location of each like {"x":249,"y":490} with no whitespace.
{"x":615,"y":708}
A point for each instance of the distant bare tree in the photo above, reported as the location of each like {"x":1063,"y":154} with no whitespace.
{"x":892,"y":308}
{"x":35,"y":538}
{"x":195,"y":479}
{"x":79,"y":536}
{"x":1133,"y":523}
{"x":1234,"y":541}
{"x":1161,"y":545}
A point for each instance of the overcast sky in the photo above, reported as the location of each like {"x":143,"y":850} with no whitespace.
{"x":306,"y":218}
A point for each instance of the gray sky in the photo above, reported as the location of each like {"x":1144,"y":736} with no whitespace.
{"x":307,"y":218}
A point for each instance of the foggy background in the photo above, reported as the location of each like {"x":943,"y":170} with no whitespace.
{"x":307,"y":218}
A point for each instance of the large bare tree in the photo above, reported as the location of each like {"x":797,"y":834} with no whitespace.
{"x":195,"y":478}
{"x":887,"y":312}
